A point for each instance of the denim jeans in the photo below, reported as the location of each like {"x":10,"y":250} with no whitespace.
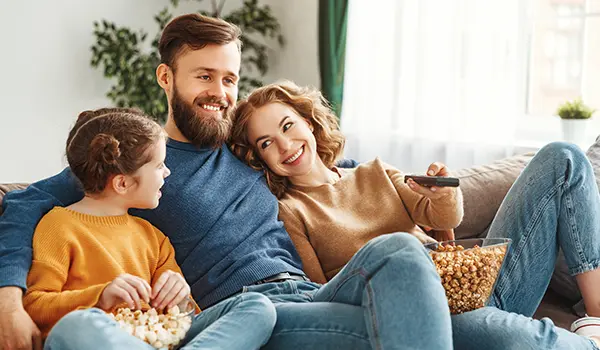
{"x":369,"y":305}
{"x":242,"y":322}
{"x":389,"y":297}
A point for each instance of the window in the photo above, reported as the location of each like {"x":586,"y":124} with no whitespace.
{"x":563,"y":55}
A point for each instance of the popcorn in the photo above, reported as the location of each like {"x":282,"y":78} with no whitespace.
{"x":468,"y":276}
{"x":160,"y":331}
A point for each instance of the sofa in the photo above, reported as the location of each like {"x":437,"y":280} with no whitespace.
{"x":484,"y":187}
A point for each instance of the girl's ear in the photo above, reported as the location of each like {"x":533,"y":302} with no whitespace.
{"x":122,"y":183}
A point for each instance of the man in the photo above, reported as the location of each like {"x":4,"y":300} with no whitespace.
{"x":222,"y":220}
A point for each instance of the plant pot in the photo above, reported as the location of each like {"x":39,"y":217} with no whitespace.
{"x":574,"y":130}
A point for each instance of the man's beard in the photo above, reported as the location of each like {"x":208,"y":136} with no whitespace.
{"x":197,"y":125}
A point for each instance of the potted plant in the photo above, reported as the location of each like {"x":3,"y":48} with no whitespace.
{"x":574,"y":117}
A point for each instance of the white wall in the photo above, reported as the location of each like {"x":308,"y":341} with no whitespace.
{"x":47,"y":79}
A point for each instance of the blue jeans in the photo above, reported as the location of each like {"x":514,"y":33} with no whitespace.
{"x":242,"y":322}
{"x":389,"y":297}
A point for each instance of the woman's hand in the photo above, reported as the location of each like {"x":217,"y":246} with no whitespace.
{"x":440,"y":235}
{"x":434,"y":192}
{"x":169,"y":290}
{"x":125,"y":288}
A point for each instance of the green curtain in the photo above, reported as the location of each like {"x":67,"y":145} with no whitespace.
{"x":333,"y":16}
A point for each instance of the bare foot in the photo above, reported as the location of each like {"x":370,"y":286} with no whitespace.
{"x":588,"y":285}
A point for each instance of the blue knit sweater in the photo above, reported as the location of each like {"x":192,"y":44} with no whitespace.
{"x":217,"y":212}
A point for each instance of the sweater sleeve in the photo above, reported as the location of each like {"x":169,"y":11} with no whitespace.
{"x":347,"y":163}
{"x":296,"y":230}
{"x":166,"y":257}
{"x":440,"y":214}
{"x":166,"y":261}
{"x":45,"y":300}
{"x":22,"y":211}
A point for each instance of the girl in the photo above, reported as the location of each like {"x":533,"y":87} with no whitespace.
{"x":292,"y":135}
{"x":92,"y":255}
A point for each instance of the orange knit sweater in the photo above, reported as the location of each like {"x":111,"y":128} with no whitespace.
{"x":330,"y":223}
{"x":75,"y":256}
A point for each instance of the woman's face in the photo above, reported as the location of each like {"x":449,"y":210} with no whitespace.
{"x":283,"y":139}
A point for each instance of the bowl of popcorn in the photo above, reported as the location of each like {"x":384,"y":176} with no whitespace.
{"x":162,"y":330}
{"x":468,"y":269}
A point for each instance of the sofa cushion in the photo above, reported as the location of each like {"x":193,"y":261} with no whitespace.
{"x":593,"y":154}
{"x":484,"y":187}
{"x":5,"y":188}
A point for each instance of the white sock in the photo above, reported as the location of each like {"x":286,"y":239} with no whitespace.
{"x":587,"y":326}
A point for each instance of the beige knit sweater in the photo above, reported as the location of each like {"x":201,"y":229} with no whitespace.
{"x":330,"y":223}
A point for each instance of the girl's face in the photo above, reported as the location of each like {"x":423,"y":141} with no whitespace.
{"x":149,"y":179}
{"x":283,"y":139}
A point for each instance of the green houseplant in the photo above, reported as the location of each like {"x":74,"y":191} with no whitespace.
{"x":125,"y":56}
{"x":574,"y":117}
{"x":575,"y":109}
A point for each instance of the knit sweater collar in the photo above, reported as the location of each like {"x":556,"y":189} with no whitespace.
{"x":116,"y":220}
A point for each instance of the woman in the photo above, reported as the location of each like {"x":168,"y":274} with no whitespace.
{"x":290,"y":133}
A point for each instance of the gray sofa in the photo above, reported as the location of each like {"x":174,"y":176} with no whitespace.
{"x":484,"y":188}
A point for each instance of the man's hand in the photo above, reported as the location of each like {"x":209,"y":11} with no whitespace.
{"x":17,"y":329}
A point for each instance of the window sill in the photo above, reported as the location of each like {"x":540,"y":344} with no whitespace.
{"x":536,"y":131}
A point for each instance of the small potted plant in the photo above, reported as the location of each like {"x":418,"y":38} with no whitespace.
{"x":574,"y":117}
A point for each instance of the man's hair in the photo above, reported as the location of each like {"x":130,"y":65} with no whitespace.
{"x":195,"y":31}
{"x":310,"y":104}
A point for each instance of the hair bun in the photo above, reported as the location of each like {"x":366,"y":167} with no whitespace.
{"x":105,"y":149}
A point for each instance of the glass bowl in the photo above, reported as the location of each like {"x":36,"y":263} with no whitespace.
{"x":468,"y":269}
{"x":187,"y":307}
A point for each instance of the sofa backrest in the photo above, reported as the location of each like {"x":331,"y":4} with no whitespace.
{"x":5,"y":188}
{"x":484,"y":187}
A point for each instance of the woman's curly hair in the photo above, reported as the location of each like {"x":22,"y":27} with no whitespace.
{"x":310,"y":104}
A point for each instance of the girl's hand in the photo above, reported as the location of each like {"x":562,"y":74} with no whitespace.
{"x":169,"y":290}
{"x":125,"y":288}
{"x":434,"y":192}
